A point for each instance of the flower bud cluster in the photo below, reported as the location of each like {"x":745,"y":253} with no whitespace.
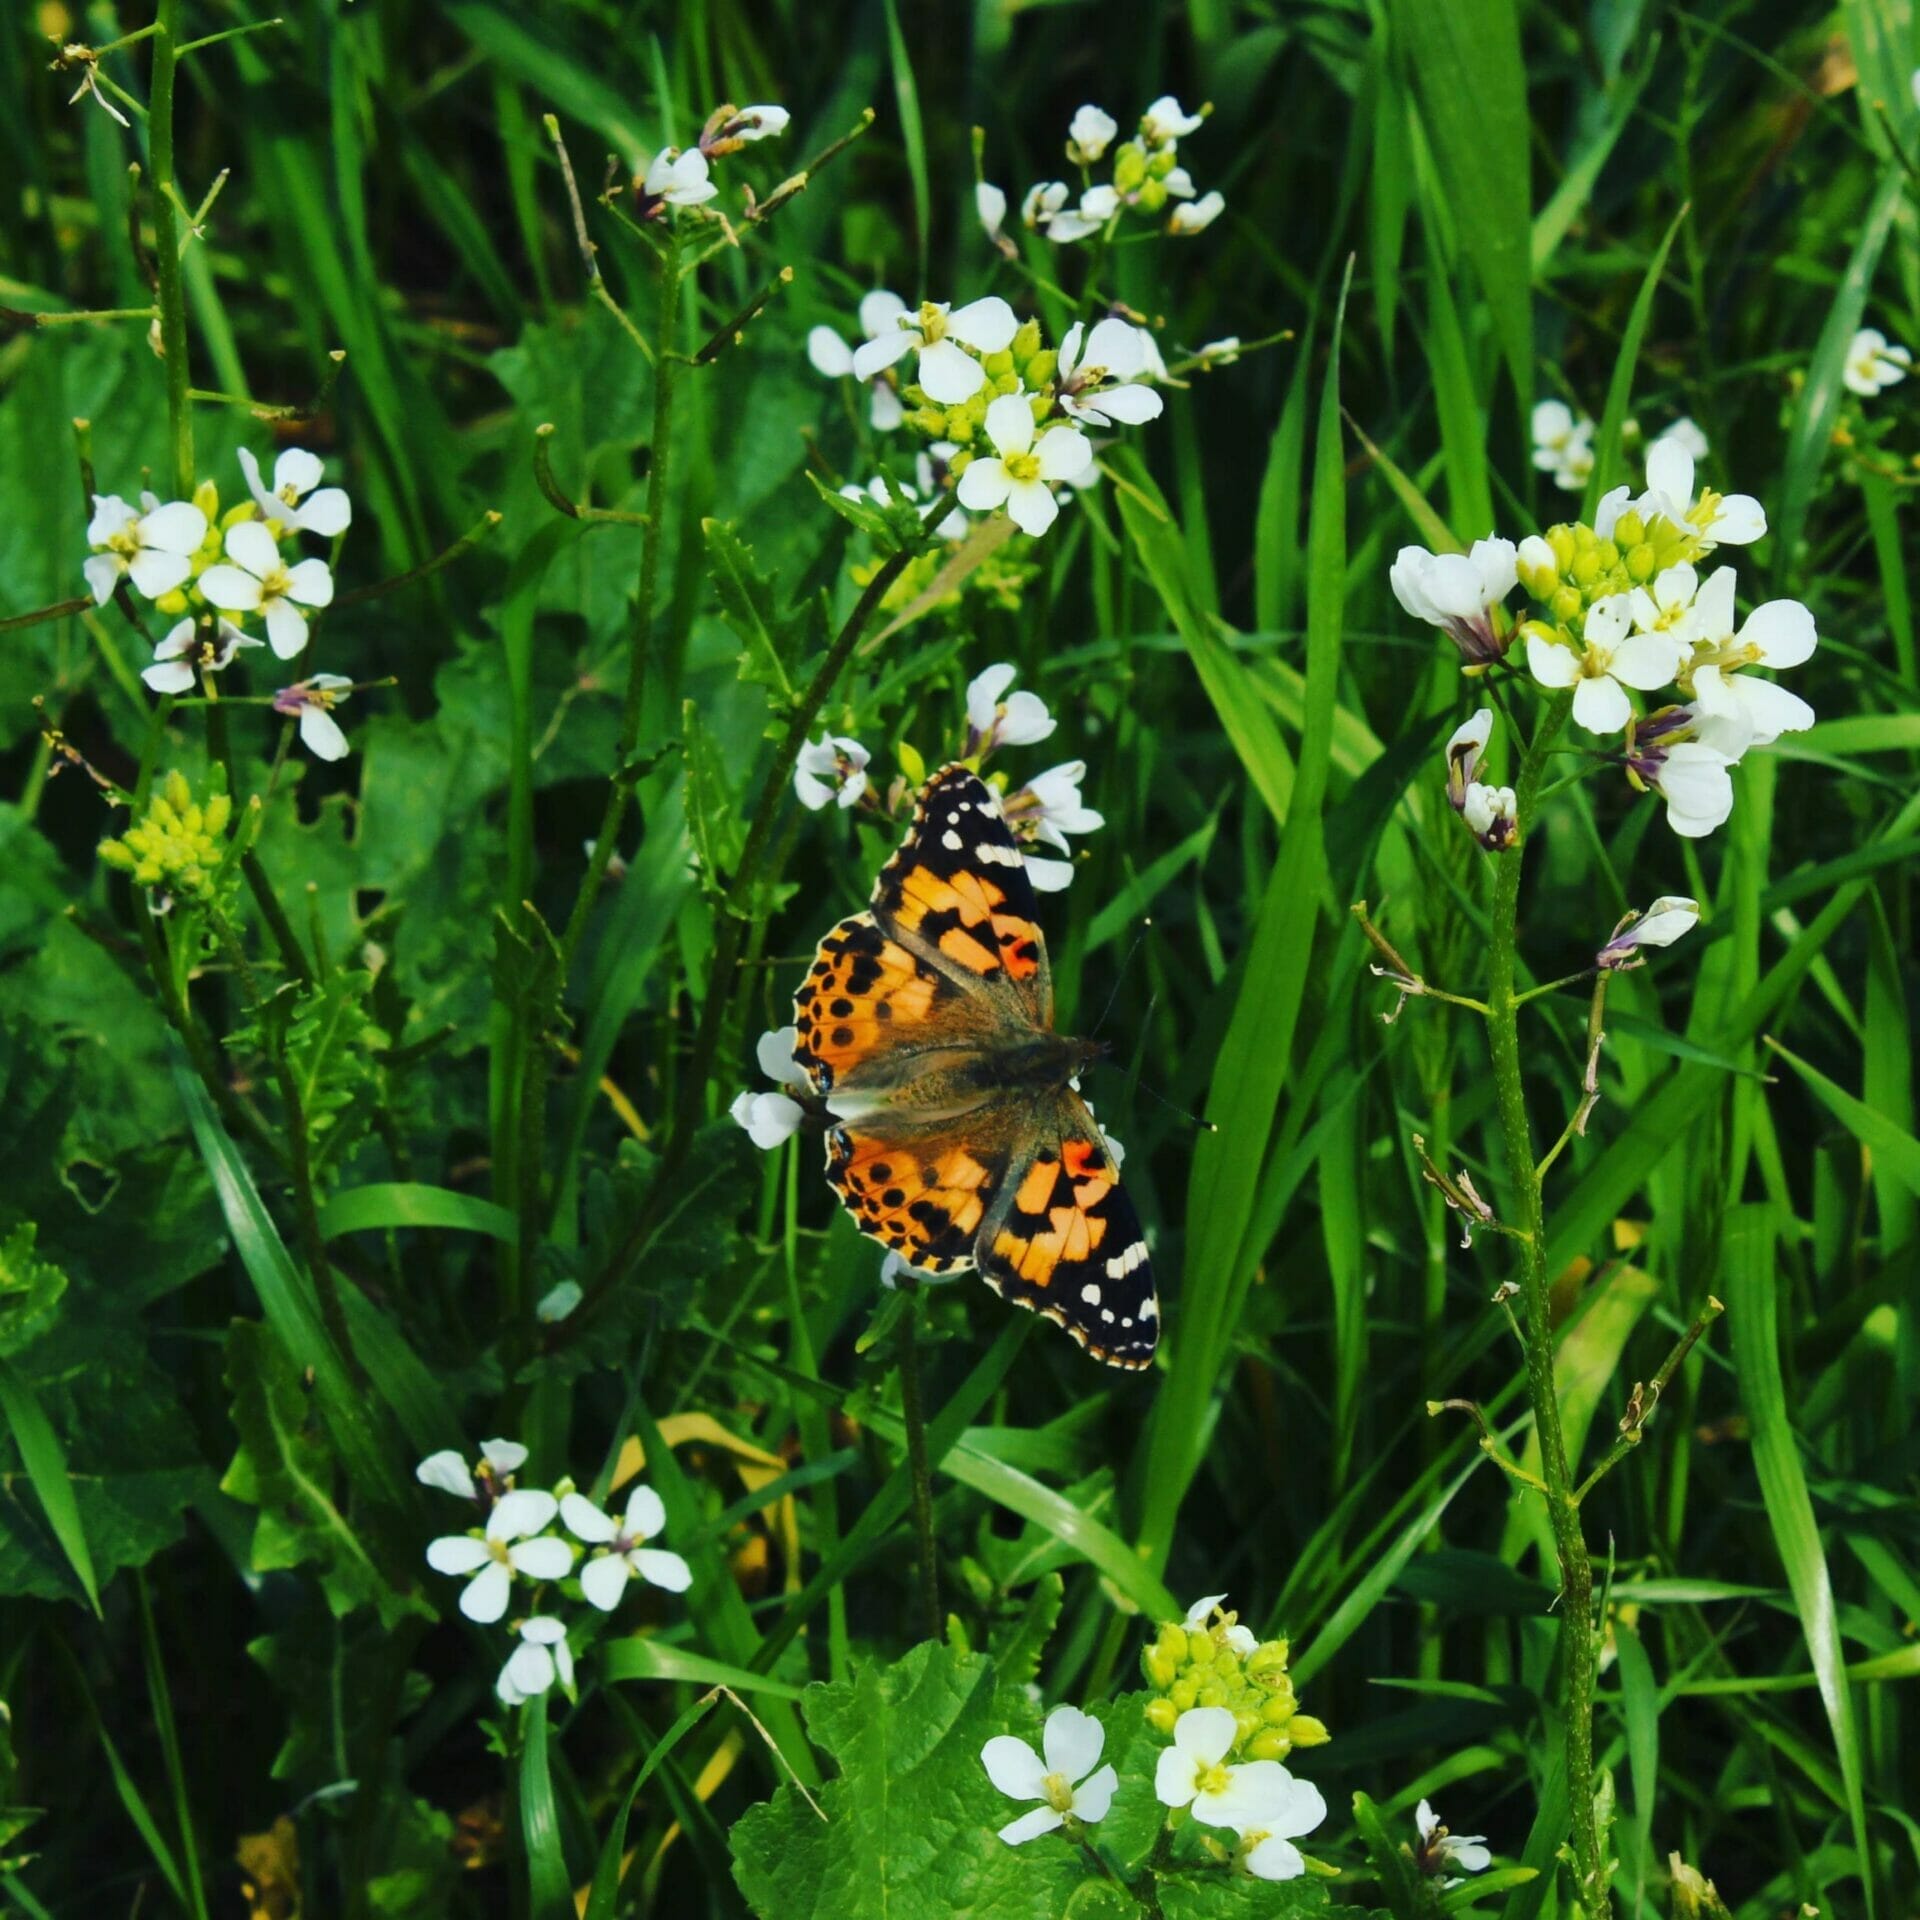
{"x":1222,"y":1665}
{"x":179,"y":845}
{"x":1572,"y":566}
{"x":1026,"y":364}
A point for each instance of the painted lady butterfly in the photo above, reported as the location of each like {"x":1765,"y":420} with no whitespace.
{"x":957,"y":1135}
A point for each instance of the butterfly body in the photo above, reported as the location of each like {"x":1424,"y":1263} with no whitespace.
{"x":959,"y":1137}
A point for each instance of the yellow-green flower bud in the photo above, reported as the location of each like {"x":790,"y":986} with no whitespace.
{"x":1564,"y":604}
{"x":1199,"y":1647}
{"x":1642,"y":564}
{"x":1309,"y":1732}
{"x":1211,"y":1694}
{"x":1560,"y":539}
{"x":1586,"y":567}
{"x":1269,"y":1744}
{"x":179,"y":845}
{"x":1246,"y":1725}
{"x":1161,"y":1714}
{"x":1041,"y":368}
{"x":997,"y":364}
{"x":1129,"y":166}
{"x":1153,"y":195}
{"x":1026,"y":342}
{"x":1162,"y":164}
{"x":1629,"y":530}
{"x":1008,"y":382}
{"x":959,"y":427}
{"x":1184,"y":1693}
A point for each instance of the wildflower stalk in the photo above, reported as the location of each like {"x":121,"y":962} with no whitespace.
{"x":1536,"y":1325}
{"x":172,"y":300}
{"x":913,"y":1413}
{"x":640,"y":636}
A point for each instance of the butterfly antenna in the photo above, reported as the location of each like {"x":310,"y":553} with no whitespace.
{"x":1193,"y":1119}
{"x":1146,"y":927}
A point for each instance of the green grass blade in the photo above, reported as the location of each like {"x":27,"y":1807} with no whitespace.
{"x":1810,"y":439}
{"x":405,"y":1203}
{"x":906,"y":97}
{"x":1640,"y":1707}
{"x":604,"y":1896}
{"x":1752,"y":1287}
{"x":46,"y":1463}
{"x":641,"y":1657}
{"x":549,"y":1889}
{"x":1464,"y":56}
{"x":1896,"y":1153}
{"x":1606,"y":449}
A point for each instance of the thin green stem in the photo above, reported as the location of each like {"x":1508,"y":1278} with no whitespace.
{"x":914,"y":1414}
{"x":1536,"y":1327}
{"x":640,"y":633}
{"x":172,"y":299}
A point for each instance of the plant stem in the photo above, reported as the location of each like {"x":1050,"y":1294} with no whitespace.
{"x":166,"y":248}
{"x":640,"y":635}
{"x":914,"y":1414}
{"x":1570,"y":1546}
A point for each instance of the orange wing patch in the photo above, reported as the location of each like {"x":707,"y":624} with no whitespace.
{"x":862,"y":989}
{"x":1067,"y":1243}
{"x":925,"y":1200}
{"x":967,"y":916}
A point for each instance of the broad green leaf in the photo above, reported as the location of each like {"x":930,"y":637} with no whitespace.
{"x":400,"y":1203}
{"x":642,"y":1657}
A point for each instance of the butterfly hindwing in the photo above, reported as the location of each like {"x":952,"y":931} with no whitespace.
{"x":924,"y":1199}
{"x":958,"y":892}
{"x":1065,"y":1241}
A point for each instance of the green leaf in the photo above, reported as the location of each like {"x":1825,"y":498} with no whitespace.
{"x":46,"y":1463}
{"x":1407,"y":1892}
{"x":1752,"y":1279}
{"x":746,"y":603}
{"x":405,"y":1203}
{"x":1464,"y":56}
{"x":30,"y":1290}
{"x":1613,"y":417}
{"x":911,"y":1826}
{"x":642,"y":1657}
{"x":1896,"y":1153}
{"x":550,"y":1887}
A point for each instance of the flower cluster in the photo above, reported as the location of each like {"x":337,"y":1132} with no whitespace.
{"x":1210,"y":1660}
{"x":1622,"y":608}
{"x":218,"y":571}
{"x":180,"y":847}
{"x":1210,"y":1775}
{"x":1002,"y":411}
{"x":1874,"y":363}
{"x":684,"y":178}
{"x":515,"y":1541}
{"x":1145,"y":177}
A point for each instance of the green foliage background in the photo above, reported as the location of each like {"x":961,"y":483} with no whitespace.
{"x":246,"y":1629}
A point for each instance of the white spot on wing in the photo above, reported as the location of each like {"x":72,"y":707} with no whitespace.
{"x":1090,"y":1294}
{"x":951,"y":841}
{"x":996,"y":855}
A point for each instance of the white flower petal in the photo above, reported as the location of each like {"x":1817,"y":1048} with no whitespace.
{"x":662,"y":1569}
{"x":1010,"y":423}
{"x":1030,"y":1826}
{"x":949,"y":375}
{"x":646,"y":1513}
{"x":178,"y":527}
{"x":168,"y":676}
{"x":1783,"y":632}
{"x":876,"y":355}
{"x":286,"y":631}
{"x":986,"y":325}
{"x":327,"y":513}
{"x":990,"y":204}
{"x":457,"y":1553}
{"x":448,"y":1472}
{"x":985,"y":688}
{"x":1014,"y":1767}
{"x":984,"y":486}
{"x":230,"y":590}
{"x":1132,"y":406}
{"x":1608,"y":621}
{"x":1601,"y":706}
{"x":527,"y":1674}
{"x":1275,"y":1859}
{"x":155,"y":573}
{"x":1066,"y":451}
{"x":1049,"y":876}
{"x":110,"y":515}
{"x":884,"y":408}
{"x":103,"y":571}
{"x":1740,"y":521}
{"x":829,"y":354}
{"x":1550,"y":663}
{"x":1670,"y":472}
{"x":525,"y":1510}
{"x":604,"y":1580}
{"x":321,"y":734}
{"x":547,"y":1558}
{"x":1772,"y":710}
{"x":1071,"y":1742}
{"x":503,"y":1456}
{"x":880,"y":312}
{"x":253,"y":547}
{"x":1094,"y":1795}
{"x":1175,"y":1777}
{"x":1205,"y":1733}
{"x":585,"y":1521}
{"x":311,"y":583}
{"x":1645,"y":660}
{"x":1032,"y":507}
{"x":296,"y":471}
{"x":485,"y":1596}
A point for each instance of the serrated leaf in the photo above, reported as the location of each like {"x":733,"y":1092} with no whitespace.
{"x":746,"y":603}
{"x":528,"y":971}
{"x":30,"y":1290}
{"x":289,"y":1469}
{"x":911,"y":1828}
{"x":713,"y":815}
{"x":867,"y":515}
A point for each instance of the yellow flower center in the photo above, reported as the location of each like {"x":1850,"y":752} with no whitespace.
{"x":1213,"y":1779}
{"x":1021,"y":467}
{"x":1057,"y":1790}
{"x":275,"y":582}
{"x":1595,"y":662}
{"x":126,"y":540}
{"x":497,"y":1548}
{"x":932,"y":323}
